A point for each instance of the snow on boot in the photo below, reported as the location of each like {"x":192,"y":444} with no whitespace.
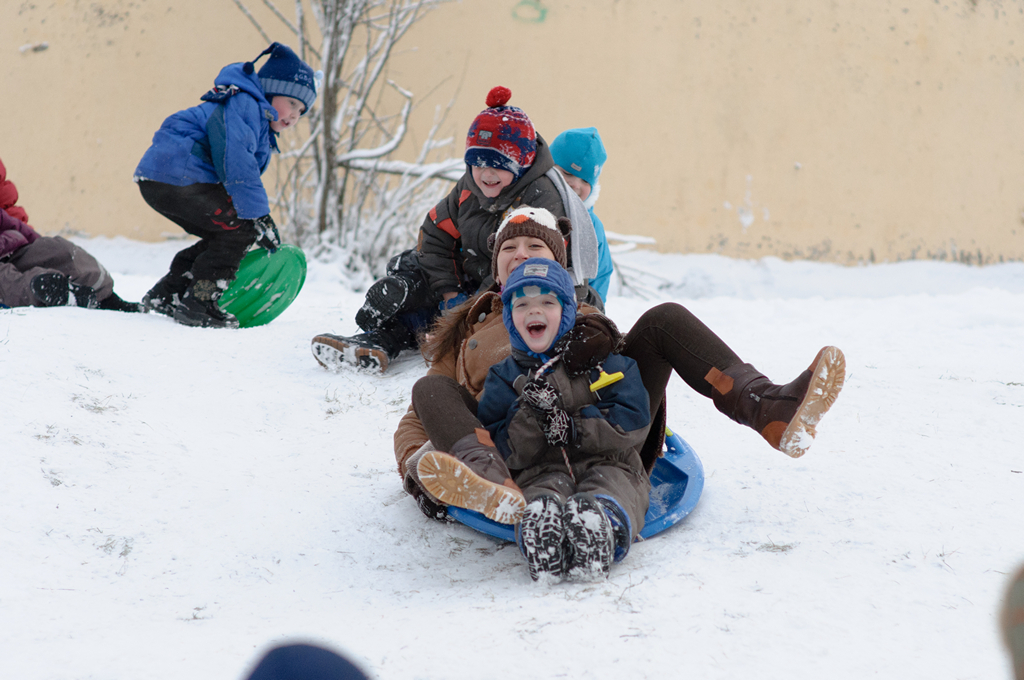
{"x":389,"y":297}
{"x":375,"y":350}
{"x":50,"y":289}
{"x":198,"y":307}
{"x":116,"y":304}
{"x":590,"y":538}
{"x":622,"y":529}
{"x":785,"y":415}
{"x":165,"y":295}
{"x":473,"y":476}
{"x":1012,"y":621}
{"x":53,"y":289}
{"x":541,"y":538}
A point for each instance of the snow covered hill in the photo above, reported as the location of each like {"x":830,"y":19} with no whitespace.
{"x":176,"y":500}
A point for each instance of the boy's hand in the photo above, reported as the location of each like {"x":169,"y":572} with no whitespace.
{"x":557,"y":425}
{"x":588,"y":343}
{"x":451,"y":301}
{"x":266,"y":233}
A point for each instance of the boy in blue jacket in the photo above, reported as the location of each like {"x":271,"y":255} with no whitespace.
{"x":203,"y":171}
{"x":570,"y":429}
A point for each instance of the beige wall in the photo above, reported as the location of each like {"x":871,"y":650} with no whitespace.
{"x":836,"y":131}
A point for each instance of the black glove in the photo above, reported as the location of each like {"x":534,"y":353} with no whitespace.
{"x":266,"y":233}
{"x":588,"y":343}
{"x":557,"y":425}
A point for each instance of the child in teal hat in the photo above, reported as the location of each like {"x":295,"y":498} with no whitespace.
{"x":579,"y":155}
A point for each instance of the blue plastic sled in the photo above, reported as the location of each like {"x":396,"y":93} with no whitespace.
{"x":676,"y":484}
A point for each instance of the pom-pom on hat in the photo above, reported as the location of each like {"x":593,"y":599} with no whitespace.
{"x":538,"y":276}
{"x":580,"y":152}
{"x":286,"y":75}
{"x":535,"y":222}
{"x":501,"y":137}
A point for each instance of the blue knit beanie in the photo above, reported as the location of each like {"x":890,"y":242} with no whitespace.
{"x":581,"y":153}
{"x":286,"y":75}
{"x":550,"y":277}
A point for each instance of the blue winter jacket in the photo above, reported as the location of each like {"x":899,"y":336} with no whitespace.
{"x":227,"y":142}
{"x":605,"y":266}
{"x":610,"y":424}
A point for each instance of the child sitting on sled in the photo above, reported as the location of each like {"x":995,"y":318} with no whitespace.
{"x":203,"y":171}
{"x":571,"y":430}
{"x":48,"y":271}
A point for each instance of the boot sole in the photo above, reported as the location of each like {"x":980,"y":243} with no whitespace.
{"x":542,"y":537}
{"x":828,"y":373}
{"x":452,"y":482}
{"x":332,"y":353}
{"x":384,"y":300}
{"x":591,"y":539}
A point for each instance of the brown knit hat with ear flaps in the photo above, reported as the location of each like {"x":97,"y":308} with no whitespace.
{"x":534,"y":222}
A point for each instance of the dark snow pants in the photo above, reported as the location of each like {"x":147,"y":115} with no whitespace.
{"x":206,"y":211}
{"x":49,"y":254}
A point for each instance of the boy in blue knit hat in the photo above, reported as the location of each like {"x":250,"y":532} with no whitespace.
{"x":203,"y":171}
{"x":580,"y":156}
{"x":569,"y":429}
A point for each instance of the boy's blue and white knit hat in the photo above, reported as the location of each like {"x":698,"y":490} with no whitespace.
{"x":538,"y":276}
{"x":287,"y":75}
{"x":580,"y":152}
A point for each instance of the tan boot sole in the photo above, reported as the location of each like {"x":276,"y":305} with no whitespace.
{"x":828,"y":373}
{"x":332,"y":353}
{"x":452,"y":482}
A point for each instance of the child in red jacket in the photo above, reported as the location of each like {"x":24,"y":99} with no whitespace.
{"x":45,"y":271}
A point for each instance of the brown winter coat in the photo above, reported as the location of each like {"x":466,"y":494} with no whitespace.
{"x":486,"y":344}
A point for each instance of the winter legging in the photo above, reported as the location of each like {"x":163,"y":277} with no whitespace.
{"x":666,"y":338}
{"x":203,"y":210}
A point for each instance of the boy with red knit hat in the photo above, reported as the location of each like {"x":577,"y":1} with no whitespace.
{"x":507,"y":166}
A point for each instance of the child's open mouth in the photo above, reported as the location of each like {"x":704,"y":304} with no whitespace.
{"x":536,"y":329}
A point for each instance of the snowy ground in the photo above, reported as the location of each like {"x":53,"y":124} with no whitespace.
{"x":176,"y":500}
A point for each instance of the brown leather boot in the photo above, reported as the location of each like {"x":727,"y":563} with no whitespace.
{"x":785,"y":415}
{"x":473,"y":475}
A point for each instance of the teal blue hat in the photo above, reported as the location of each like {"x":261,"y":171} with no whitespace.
{"x":580,"y":152}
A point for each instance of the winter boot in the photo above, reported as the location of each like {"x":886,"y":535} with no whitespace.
{"x":56,"y":290}
{"x":622,"y":528}
{"x":389,"y":297}
{"x":116,"y":304}
{"x":1012,"y":621}
{"x":198,"y":307}
{"x":785,"y":415}
{"x":375,"y":350}
{"x":541,"y":538}
{"x":428,"y":505}
{"x":165,"y":295}
{"x":589,"y":536}
{"x":473,"y":476}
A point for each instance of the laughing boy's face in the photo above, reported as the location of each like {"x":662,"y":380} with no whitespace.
{"x":536,"y":313}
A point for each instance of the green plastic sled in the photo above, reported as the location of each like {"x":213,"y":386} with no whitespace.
{"x":265,"y":285}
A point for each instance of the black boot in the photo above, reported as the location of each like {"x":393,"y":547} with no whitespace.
{"x":165,"y":295}
{"x":589,"y":537}
{"x":389,"y":297}
{"x":198,"y":307}
{"x":541,"y":538}
{"x":785,"y":415}
{"x":375,"y":349}
{"x":116,"y":304}
{"x":56,"y":290}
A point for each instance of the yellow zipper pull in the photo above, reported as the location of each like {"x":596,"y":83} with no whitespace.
{"x":605,"y":379}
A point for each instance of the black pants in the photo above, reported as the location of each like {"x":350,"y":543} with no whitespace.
{"x":203,"y":210}
{"x":666,"y":338}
